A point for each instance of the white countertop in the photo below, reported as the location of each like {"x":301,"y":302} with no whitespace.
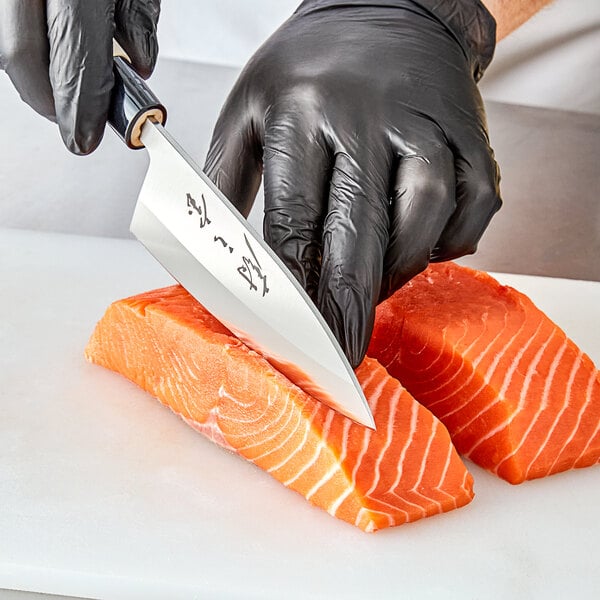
{"x":107,"y":494}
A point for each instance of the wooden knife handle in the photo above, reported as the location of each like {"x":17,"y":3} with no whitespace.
{"x":132,"y":102}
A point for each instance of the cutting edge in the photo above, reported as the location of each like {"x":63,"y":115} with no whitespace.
{"x":149,"y":139}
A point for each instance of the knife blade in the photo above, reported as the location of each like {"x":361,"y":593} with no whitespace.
{"x":189,"y":226}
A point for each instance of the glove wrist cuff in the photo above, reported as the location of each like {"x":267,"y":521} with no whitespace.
{"x":467,"y":21}
{"x":471,"y":24}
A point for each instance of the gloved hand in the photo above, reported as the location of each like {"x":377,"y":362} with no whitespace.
{"x":58,"y":54}
{"x":368,"y":125}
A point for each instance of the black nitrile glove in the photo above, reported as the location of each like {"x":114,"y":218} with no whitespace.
{"x":367,"y":122}
{"x":58,"y":54}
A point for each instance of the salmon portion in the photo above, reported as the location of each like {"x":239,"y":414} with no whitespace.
{"x":517,"y":396}
{"x":169,"y":345}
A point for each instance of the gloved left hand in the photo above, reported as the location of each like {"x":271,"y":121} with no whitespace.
{"x":58,"y":54}
{"x":367,"y":121}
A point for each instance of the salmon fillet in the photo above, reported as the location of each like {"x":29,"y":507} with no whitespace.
{"x":518,"y":397}
{"x":169,"y":345}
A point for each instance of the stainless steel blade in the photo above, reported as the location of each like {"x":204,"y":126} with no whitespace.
{"x":202,"y":240}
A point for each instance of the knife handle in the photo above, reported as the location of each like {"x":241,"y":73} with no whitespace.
{"x":131,"y":103}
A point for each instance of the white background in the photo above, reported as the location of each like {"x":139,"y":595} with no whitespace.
{"x":553,"y":60}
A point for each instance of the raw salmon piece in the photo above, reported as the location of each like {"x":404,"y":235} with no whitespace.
{"x":172,"y":347}
{"x":518,"y":397}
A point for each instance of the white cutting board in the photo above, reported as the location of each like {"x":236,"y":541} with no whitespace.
{"x":106,"y":494}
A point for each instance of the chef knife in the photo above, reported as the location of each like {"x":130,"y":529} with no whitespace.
{"x":189,"y":226}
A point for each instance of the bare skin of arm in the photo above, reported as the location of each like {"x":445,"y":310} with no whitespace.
{"x":510,"y":14}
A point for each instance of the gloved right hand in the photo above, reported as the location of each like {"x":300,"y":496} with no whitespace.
{"x":366,"y":122}
{"x":58,"y":54}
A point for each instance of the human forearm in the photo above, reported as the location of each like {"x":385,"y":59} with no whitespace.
{"x":511,"y":14}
